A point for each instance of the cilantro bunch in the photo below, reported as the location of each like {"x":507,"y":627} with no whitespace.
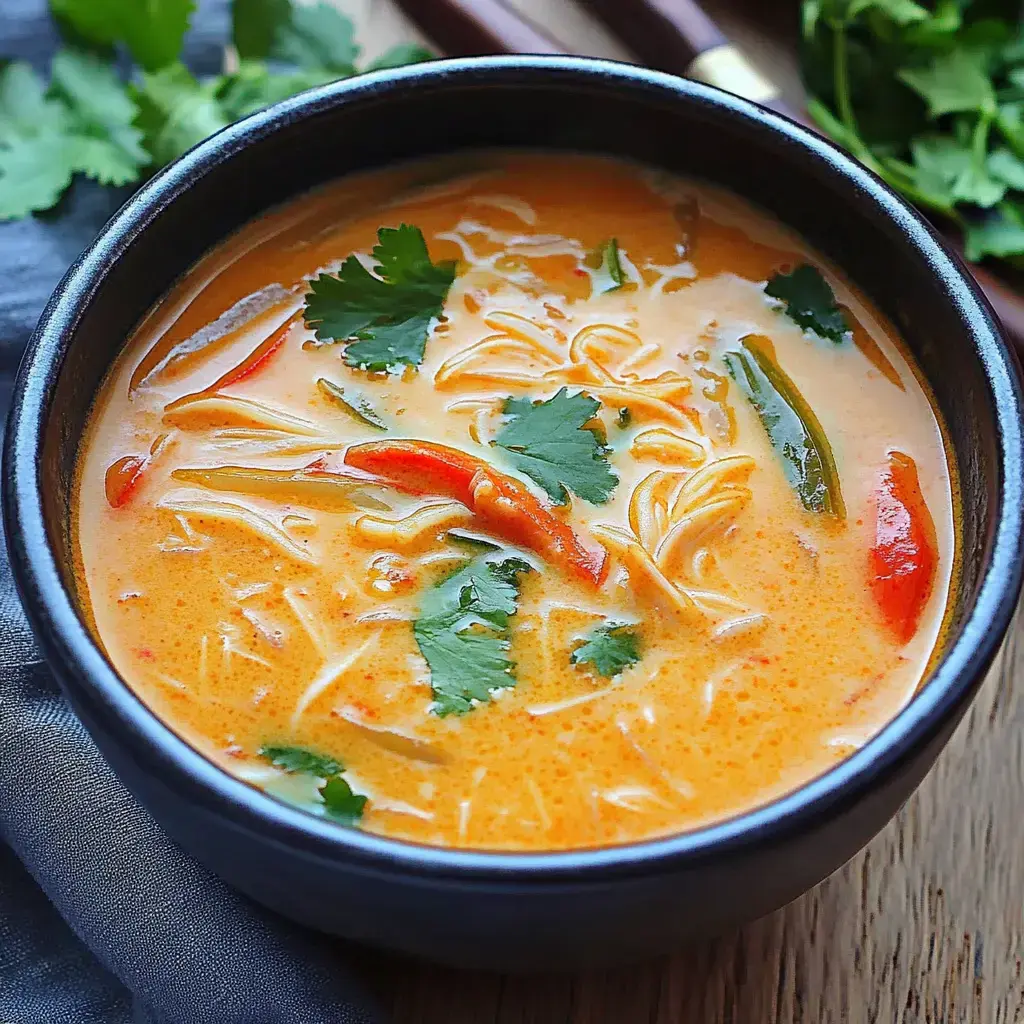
{"x":90,"y":120}
{"x":930,"y":96}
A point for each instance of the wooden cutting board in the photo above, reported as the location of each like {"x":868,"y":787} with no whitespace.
{"x":925,"y":926}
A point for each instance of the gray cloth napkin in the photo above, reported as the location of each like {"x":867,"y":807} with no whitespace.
{"x":103,"y":920}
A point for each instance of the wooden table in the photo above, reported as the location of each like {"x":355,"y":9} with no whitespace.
{"x":924,"y":925}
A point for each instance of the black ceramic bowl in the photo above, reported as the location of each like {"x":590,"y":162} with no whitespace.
{"x":489,"y":909}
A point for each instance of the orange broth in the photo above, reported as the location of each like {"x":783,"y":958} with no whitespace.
{"x":287,"y":612}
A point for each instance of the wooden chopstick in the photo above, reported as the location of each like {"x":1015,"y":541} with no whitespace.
{"x":678,"y":36}
{"x":464,"y":28}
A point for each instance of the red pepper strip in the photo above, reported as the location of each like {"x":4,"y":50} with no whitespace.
{"x":123,"y":478}
{"x":905,"y":555}
{"x":503,"y":504}
{"x":254,"y":361}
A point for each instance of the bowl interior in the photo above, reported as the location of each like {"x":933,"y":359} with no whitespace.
{"x":585,"y":106}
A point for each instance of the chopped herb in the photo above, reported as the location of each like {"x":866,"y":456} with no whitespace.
{"x":176,"y":111}
{"x":306,"y":35}
{"x":550,"y":444}
{"x":384,"y":319}
{"x":88,"y":121}
{"x":810,"y":302}
{"x":607,"y":267}
{"x":339,"y":802}
{"x":472,"y":541}
{"x":356,"y":405}
{"x":152,"y":31}
{"x":929,"y":97}
{"x":304,"y":762}
{"x":609,"y":649}
{"x":462,"y":631}
{"x":624,"y":418}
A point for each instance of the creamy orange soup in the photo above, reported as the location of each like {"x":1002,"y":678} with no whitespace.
{"x":589,"y":506}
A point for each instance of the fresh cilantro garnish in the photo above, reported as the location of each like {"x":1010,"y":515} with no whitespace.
{"x":609,"y":649}
{"x":152,"y":30}
{"x":176,"y":112}
{"x":255,"y":86}
{"x":306,"y":35}
{"x":550,"y":444}
{"x":384,"y":319}
{"x":809,"y":302}
{"x":339,"y":802}
{"x":462,"y":631}
{"x":604,"y":261}
{"x":929,"y":96}
{"x":399,"y":55}
{"x":87,"y":121}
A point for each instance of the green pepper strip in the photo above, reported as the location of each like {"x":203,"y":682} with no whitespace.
{"x":794,"y":430}
{"x":357,"y":407}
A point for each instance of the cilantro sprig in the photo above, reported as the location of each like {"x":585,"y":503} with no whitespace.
{"x":462,"y":632}
{"x":930,"y":96}
{"x":89,"y":120}
{"x":340,"y":804}
{"x":809,"y":302}
{"x":609,"y":649}
{"x":550,"y":443}
{"x":384,"y":319}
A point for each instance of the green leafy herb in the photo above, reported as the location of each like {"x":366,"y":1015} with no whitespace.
{"x":549,"y":442}
{"x":607,"y":267}
{"x":462,"y":631}
{"x":385,"y":318}
{"x":255,"y":86}
{"x":624,"y":418}
{"x":931,"y":98}
{"x":339,"y":802}
{"x":301,"y":761}
{"x":609,"y":649}
{"x":102,"y":116}
{"x":356,"y":405}
{"x":809,"y":302}
{"x":152,"y":31}
{"x":400,"y":55}
{"x":87,"y":121}
{"x":306,"y":35}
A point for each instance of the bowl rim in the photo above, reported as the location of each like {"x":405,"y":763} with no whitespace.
{"x":66,"y":640}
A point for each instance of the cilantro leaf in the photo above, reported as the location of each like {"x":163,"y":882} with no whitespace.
{"x":255,"y":25}
{"x":549,"y":443}
{"x":36,"y":159}
{"x":954,"y":81}
{"x":604,"y":260}
{"x":305,"y":762}
{"x":312,"y":36}
{"x":385,"y":318}
{"x":462,"y":632}
{"x":339,"y":802}
{"x":176,"y":112}
{"x":102,"y":111}
{"x":1000,"y":233}
{"x":400,"y":55}
{"x":1003,"y":164}
{"x":609,"y":649}
{"x":810,"y":302}
{"x":254,"y":86}
{"x":153,"y":31}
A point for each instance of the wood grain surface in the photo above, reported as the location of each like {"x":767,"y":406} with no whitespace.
{"x":924,"y":926}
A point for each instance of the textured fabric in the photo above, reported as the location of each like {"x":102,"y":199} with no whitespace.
{"x":102,"y":919}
